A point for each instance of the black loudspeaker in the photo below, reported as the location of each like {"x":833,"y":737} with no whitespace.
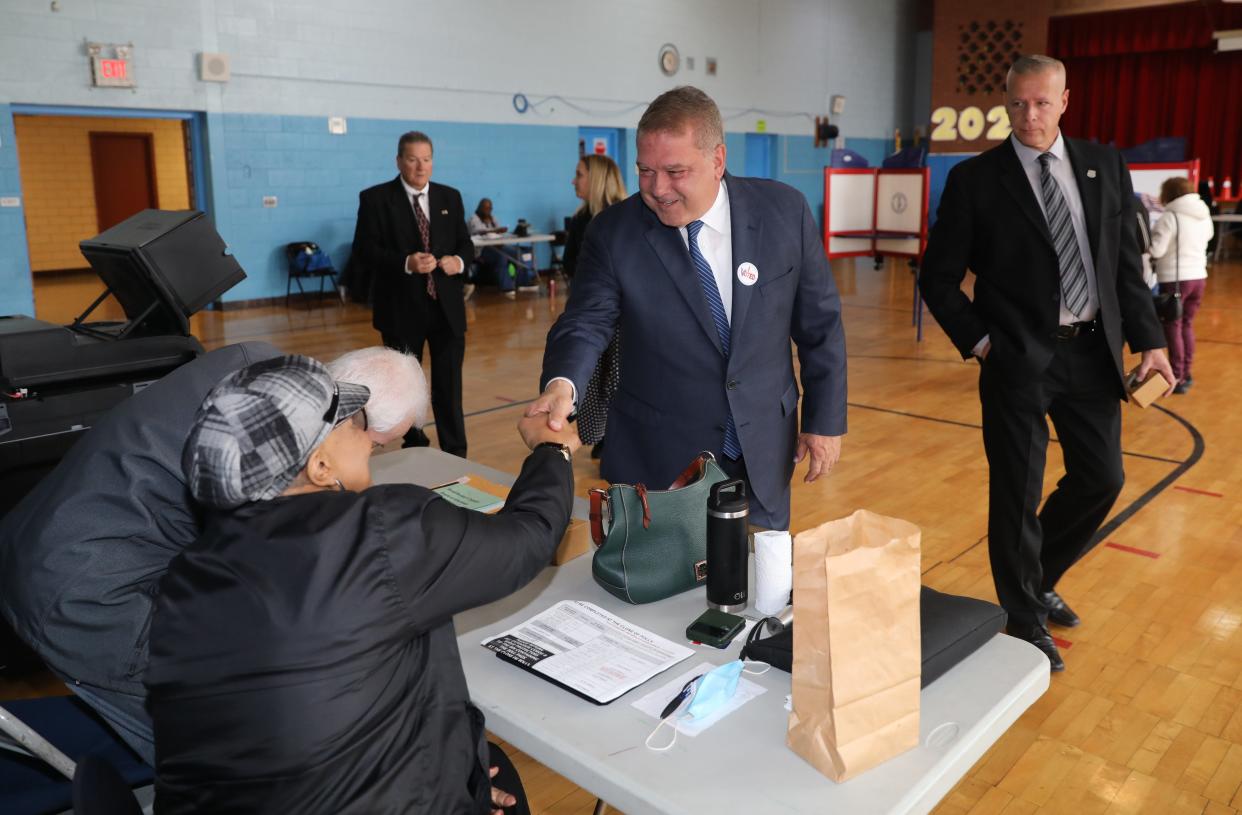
{"x":162,"y":266}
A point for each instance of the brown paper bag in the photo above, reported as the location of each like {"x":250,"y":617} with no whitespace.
{"x":856,"y":646}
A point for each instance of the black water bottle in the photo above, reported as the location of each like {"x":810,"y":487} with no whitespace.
{"x":727,"y":516}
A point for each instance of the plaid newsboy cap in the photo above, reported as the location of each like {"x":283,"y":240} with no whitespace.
{"x":256,"y":430}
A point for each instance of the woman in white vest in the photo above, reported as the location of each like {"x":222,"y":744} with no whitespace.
{"x":1179,"y":246}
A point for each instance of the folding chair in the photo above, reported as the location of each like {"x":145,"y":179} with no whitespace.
{"x":43,"y":743}
{"x":305,"y":260}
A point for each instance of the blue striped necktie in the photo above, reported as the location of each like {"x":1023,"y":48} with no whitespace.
{"x":715,"y":305}
{"x":1061,"y":225}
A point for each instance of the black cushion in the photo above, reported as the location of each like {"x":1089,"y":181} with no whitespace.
{"x":952,"y":629}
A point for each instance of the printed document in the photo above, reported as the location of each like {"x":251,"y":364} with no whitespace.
{"x":585,"y":649}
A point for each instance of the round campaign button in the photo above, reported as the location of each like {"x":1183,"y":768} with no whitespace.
{"x":747,"y":274}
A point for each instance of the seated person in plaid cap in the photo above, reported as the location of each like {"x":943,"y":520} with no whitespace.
{"x":303,"y":657}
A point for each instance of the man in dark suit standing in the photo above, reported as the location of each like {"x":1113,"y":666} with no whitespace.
{"x":1045,"y":223}
{"x":412,"y":235}
{"x":709,"y":276}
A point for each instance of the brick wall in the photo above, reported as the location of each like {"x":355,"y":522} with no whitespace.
{"x":55,"y":159}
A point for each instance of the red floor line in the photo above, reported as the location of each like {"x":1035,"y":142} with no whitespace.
{"x":1132,"y":550}
{"x":1064,"y":644}
{"x":1199,"y":492}
{"x":506,"y":399}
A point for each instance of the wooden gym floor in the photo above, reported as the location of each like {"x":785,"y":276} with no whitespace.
{"x":1147,"y":716}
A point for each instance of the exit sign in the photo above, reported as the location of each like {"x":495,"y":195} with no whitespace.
{"x":112,"y":72}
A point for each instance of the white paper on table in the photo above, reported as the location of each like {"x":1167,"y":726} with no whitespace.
{"x":653,"y":703}
{"x":587,"y":649}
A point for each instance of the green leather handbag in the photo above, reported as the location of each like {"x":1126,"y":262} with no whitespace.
{"x":655,"y":544}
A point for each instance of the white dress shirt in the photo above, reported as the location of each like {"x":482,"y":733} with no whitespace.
{"x":716,"y":244}
{"x":1063,"y":173}
{"x":424,"y":204}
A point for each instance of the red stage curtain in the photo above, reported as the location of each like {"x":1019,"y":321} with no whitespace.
{"x":1141,"y":74}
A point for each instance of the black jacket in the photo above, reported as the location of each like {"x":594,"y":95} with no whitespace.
{"x":386,"y":234}
{"x":990,"y":222}
{"x":575,"y":234}
{"x":303,"y":657}
{"x":82,"y":555}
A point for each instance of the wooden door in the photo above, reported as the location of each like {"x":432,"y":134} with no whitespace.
{"x":123,"y":165}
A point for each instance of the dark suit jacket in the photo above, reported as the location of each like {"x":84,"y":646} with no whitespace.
{"x":81,"y":556}
{"x":386,"y":233}
{"x":990,"y":222}
{"x":676,"y":386}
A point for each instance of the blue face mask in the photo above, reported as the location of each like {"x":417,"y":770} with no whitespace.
{"x":714,"y":689}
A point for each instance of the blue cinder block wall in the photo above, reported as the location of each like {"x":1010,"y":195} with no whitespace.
{"x":16,"y":292}
{"x":316,"y":178}
{"x":504,"y":117}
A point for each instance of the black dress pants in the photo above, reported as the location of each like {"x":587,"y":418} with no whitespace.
{"x":1031,"y":548}
{"x":448,"y":352}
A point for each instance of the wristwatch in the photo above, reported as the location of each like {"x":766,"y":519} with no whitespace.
{"x":563,"y":449}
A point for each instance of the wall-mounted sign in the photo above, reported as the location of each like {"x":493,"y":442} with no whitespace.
{"x":969,"y":124}
{"x":115,"y":71}
{"x":973,"y":44}
{"x":599,"y":146}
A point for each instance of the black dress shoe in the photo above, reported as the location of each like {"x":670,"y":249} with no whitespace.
{"x":1038,"y":636}
{"x":1058,"y":611}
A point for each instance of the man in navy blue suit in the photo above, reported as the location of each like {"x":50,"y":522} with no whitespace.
{"x":708,"y":276}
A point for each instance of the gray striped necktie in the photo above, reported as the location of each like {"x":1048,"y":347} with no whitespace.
{"x":1061,"y":225}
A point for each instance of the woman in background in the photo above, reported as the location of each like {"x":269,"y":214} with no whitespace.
{"x":597,"y":181}
{"x":1179,"y":242}
{"x":483,"y":224}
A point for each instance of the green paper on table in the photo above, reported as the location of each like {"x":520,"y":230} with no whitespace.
{"x":464,"y":495}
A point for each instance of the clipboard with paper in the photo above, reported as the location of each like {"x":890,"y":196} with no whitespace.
{"x":582,"y":648}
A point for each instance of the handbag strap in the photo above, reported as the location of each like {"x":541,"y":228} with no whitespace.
{"x":1177,"y":256}
{"x":599,"y":498}
{"x":642,"y":496}
{"x":691,"y":473}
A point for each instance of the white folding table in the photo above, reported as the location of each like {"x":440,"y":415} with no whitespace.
{"x":741,"y":764}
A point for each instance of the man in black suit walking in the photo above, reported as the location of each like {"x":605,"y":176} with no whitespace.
{"x":412,"y":235}
{"x":1045,"y":223}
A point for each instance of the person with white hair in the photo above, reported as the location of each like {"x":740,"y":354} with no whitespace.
{"x":399,"y":397}
{"x":345,"y":694}
{"x":82,"y":554}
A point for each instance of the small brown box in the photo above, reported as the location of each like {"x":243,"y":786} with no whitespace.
{"x":1148,"y":391}
{"x":576,"y":541}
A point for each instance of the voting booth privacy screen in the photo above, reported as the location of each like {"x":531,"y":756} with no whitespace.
{"x":1147,"y":178}
{"x":875,"y":211}
{"x":163,"y":266}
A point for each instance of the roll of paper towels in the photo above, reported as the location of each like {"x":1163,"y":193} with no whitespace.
{"x":773,"y":571}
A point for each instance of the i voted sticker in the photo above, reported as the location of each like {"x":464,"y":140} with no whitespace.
{"x":747,"y":274}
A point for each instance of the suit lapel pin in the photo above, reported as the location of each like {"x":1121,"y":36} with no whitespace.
{"x":1090,"y":173}
{"x":445,"y":211}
